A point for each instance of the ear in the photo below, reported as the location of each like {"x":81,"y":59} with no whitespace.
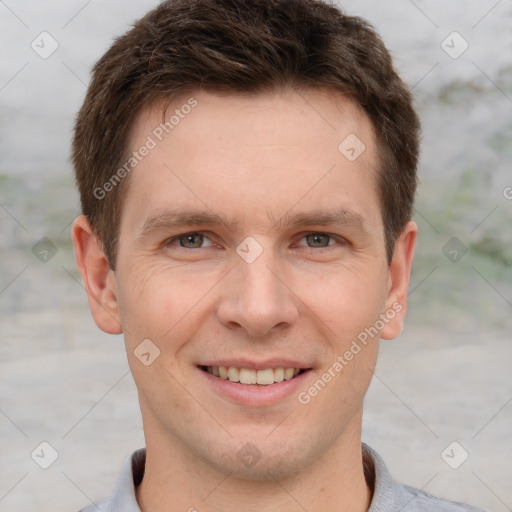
{"x":98,"y":277}
{"x":399,"y":276}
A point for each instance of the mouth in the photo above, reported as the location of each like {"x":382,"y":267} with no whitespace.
{"x":252,"y":377}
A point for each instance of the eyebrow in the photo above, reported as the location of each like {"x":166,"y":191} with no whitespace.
{"x":339,"y":216}
{"x":169,"y":219}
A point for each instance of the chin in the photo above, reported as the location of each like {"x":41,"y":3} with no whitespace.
{"x":259,"y":459}
{"x":268,"y":467}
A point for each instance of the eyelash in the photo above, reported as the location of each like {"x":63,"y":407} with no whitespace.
{"x":341,"y":240}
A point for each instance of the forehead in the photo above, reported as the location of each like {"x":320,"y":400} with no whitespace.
{"x":254,"y":157}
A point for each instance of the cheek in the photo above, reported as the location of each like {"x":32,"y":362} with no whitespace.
{"x":166,"y":304}
{"x":152,"y":301}
{"x":350,"y":301}
{"x":346,"y":299}
{"x":337,"y":392}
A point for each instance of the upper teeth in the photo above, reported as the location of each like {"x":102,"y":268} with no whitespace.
{"x":249,"y":376}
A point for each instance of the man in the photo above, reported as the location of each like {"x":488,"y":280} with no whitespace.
{"x":247,"y":171}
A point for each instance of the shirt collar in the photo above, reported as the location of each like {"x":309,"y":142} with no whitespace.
{"x":124,"y":497}
{"x":387,"y":494}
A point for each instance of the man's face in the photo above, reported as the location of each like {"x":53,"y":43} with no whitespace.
{"x":227,"y":257}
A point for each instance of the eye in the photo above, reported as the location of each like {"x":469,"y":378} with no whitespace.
{"x":318,"y":240}
{"x":189,"y":241}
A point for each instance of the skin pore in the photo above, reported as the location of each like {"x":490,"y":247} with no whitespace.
{"x":266,"y":167}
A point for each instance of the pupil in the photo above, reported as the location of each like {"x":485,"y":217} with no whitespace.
{"x":318,"y":240}
{"x":188,"y":240}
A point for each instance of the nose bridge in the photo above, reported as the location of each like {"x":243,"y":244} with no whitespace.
{"x":256,"y":298}
{"x":258,"y":284}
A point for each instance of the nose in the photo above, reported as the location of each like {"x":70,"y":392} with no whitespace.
{"x":256,"y":299}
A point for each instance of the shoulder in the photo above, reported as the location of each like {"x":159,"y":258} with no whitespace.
{"x":421,"y":501}
{"x":389,"y":495}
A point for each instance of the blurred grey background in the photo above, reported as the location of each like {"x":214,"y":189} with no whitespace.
{"x":445,"y":380}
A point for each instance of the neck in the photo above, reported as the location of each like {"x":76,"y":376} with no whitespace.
{"x":175,"y":479}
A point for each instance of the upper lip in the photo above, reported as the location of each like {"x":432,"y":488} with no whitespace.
{"x":254,"y":364}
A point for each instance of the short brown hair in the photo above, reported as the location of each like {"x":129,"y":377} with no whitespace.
{"x":242,"y":46}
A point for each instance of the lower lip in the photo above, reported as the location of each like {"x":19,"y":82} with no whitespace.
{"x":254,"y":394}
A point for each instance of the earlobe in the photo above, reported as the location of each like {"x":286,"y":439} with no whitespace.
{"x":98,"y":277}
{"x":399,"y":275}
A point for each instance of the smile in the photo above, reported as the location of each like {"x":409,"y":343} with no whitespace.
{"x":264,"y":377}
